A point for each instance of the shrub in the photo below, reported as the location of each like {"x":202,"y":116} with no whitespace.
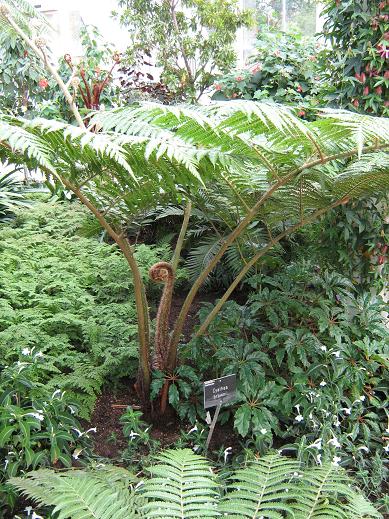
{"x":38,"y":426}
{"x":70,"y":297}
{"x":311,"y":357}
{"x":283,"y":67}
{"x":357,"y":61}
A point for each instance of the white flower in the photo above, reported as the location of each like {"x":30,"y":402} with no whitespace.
{"x":133,"y":435}
{"x":362,"y":398}
{"x":56,"y":392}
{"x":299,"y":418}
{"x":38,"y":416}
{"x":323,"y":348}
{"x":363,"y":448}
{"x":38,"y":354}
{"x":26,"y":351}
{"x":347,"y":410}
{"x":336,"y":354}
{"x":386,"y":448}
{"x":337,"y":422}
{"x":226,"y":453}
{"x":318,"y":459}
{"x":334,"y":441}
{"x":194,"y":429}
{"x":36,"y":516}
{"x":323,"y":383}
{"x":28,"y":509}
{"x":263,"y":431}
{"x":71,"y":409}
{"x":139,"y":484}
{"x":76,"y":453}
{"x":24,"y":110}
{"x":336,"y":460}
{"x":317,"y":444}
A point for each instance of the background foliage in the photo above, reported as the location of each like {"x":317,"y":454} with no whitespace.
{"x":70,"y":297}
{"x":357,"y":62}
{"x":190,"y":41}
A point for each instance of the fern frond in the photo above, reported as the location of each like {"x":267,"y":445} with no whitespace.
{"x":261,"y":489}
{"x":182,"y":486}
{"x":81,"y":495}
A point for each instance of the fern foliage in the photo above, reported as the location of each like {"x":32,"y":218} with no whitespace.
{"x":142,"y":155}
{"x":183,"y":486}
{"x":82,"y":495}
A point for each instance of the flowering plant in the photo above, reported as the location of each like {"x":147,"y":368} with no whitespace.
{"x":357,"y":63}
{"x":284,"y":68}
{"x":38,"y":427}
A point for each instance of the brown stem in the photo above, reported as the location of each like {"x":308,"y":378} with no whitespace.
{"x":182,"y":48}
{"x":164,"y":396}
{"x":179,"y":324}
{"x":181,"y":237}
{"x":139,"y":289}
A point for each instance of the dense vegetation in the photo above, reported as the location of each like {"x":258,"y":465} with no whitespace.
{"x":275,"y":214}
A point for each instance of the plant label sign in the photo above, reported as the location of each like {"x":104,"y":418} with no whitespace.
{"x":219,"y":391}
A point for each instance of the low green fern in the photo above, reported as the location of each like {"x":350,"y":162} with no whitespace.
{"x":182,"y":485}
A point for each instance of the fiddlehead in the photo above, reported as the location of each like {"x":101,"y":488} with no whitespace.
{"x":162,"y":272}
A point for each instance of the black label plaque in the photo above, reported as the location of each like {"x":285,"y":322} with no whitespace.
{"x":219,"y":391}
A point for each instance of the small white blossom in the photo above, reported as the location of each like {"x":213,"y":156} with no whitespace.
{"x":26,"y":351}
{"x":227,"y":453}
{"x":38,"y":416}
{"x":38,"y":354}
{"x":317,"y":444}
{"x":76,"y":453}
{"x":336,"y":460}
{"x":318,"y":459}
{"x":36,"y":516}
{"x":139,"y":484}
{"x":194,"y":429}
{"x":133,"y":435}
{"x":56,"y":392}
{"x":28,"y":509}
{"x":363,"y":448}
{"x":263,"y":431}
{"x":337,"y":422}
{"x":323,"y":383}
{"x":336,"y":354}
{"x":299,"y":418}
{"x":386,"y":448}
{"x":323,"y":348}
{"x":347,"y":410}
{"x":362,"y":398}
{"x":334,"y":441}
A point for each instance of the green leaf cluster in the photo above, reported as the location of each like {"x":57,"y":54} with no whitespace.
{"x":182,"y":485}
{"x":69,"y":296}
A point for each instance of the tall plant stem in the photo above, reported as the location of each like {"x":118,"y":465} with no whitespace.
{"x":181,"y":236}
{"x":240,"y":228}
{"x":40,"y":53}
{"x":139,"y":289}
{"x":216,"y":309}
{"x":121,"y":241}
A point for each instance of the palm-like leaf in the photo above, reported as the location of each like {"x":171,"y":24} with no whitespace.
{"x":183,"y":486}
{"x":88,"y":495}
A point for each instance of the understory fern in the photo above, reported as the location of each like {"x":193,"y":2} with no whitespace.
{"x":182,"y":485}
